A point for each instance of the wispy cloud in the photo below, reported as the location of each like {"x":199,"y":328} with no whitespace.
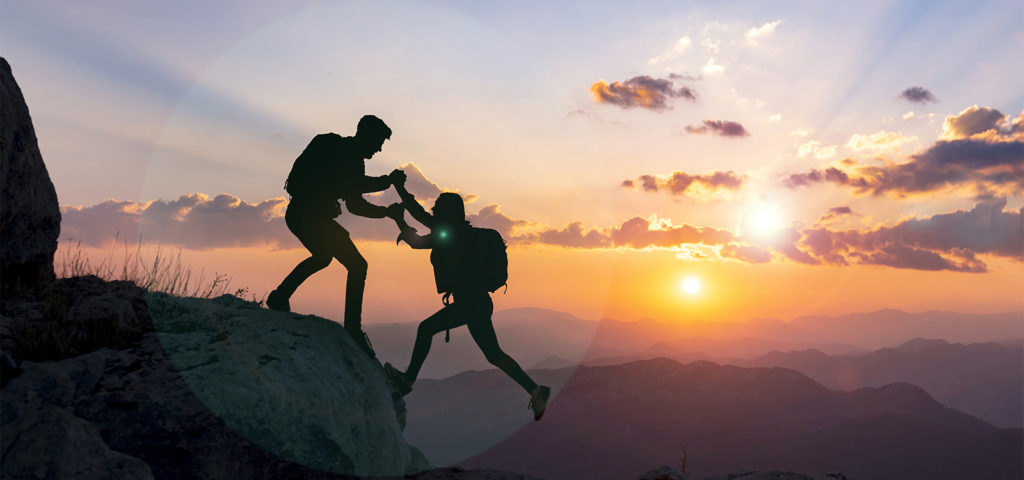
{"x":756,"y":34}
{"x":981,"y":166}
{"x":674,"y":51}
{"x":946,"y":241}
{"x":642,"y":91}
{"x":681,"y":183}
{"x":880,"y":140}
{"x":817,"y":150}
{"x":635,"y":233}
{"x":722,"y":128}
{"x":918,"y":95}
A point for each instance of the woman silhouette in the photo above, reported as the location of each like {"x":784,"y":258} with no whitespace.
{"x":449,"y":240}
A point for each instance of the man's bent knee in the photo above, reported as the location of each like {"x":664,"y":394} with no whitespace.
{"x":357,"y":267}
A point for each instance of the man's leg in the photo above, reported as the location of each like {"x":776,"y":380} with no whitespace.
{"x":311,"y":232}
{"x":301,"y":272}
{"x":348,"y":255}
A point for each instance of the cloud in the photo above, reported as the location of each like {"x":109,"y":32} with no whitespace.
{"x":683,"y":76}
{"x":880,"y":140}
{"x":800,"y":132}
{"x":682,"y":183}
{"x":491,"y":216}
{"x":754,"y":35}
{"x":817,"y":150}
{"x":746,"y":253}
{"x":711,"y":46}
{"x":831,"y":174}
{"x":983,"y":123}
{"x":642,"y":91}
{"x":835,"y":213}
{"x":193,"y":221}
{"x":946,"y":241}
{"x":635,"y":233}
{"x":712,"y":67}
{"x":983,"y":166}
{"x":676,"y":50}
{"x":918,"y":95}
{"x":722,"y":128}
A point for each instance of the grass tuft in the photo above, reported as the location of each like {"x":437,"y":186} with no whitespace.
{"x":155,"y":271}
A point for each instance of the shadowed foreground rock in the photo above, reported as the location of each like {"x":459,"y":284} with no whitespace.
{"x":203,"y":389}
{"x":29,"y":213}
{"x":666,"y":472}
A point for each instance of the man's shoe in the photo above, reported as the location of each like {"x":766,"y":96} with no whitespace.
{"x":279,"y":302}
{"x":399,"y":379}
{"x":539,"y":401}
{"x":363,"y":340}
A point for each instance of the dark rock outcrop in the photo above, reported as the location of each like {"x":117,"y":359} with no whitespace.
{"x":204,"y":389}
{"x":752,"y":475}
{"x":29,"y":213}
{"x":72,"y":317}
{"x":663,"y":472}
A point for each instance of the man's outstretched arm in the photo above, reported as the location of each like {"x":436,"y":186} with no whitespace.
{"x":374,"y":184}
{"x":358,"y":205}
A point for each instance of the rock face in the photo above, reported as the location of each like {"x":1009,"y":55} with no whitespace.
{"x":298,"y":386}
{"x":74,"y":316}
{"x":211,"y":389}
{"x":663,"y":472}
{"x":29,"y":213}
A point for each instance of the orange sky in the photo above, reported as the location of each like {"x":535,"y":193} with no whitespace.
{"x":794,"y":160}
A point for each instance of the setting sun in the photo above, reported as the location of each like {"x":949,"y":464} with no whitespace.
{"x":691,"y":286}
{"x":763,"y":221}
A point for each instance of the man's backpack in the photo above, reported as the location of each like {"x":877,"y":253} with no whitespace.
{"x":312,"y":168}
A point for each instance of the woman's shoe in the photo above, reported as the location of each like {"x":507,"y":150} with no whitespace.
{"x":399,"y":379}
{"x":539,"y":401}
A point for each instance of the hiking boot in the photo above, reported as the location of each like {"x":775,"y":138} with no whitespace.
{"x":398,"y":378}
{"x":539,"y":401}
{"x":363,"y":340}
{"x":277,"y":301}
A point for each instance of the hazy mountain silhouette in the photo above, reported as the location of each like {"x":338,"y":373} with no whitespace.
{"x":610,"y":422}
{"x":535,"y":334}
{"x":887,"y":327}
{"x":983,"y":379}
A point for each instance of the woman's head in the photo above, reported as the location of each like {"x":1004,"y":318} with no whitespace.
{"x":449,"y":209}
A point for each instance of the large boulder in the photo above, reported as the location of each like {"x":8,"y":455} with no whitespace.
{"x":297,"y":386}
{"x":221,"y":389}
{"x":29,"y":213}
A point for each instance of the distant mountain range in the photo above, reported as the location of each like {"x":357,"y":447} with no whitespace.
{"x":546,"y":338}
{"x":983,"y":379}
{"x":610,"y":422}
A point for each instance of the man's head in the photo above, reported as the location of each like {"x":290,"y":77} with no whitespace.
{"x":370,"y":134}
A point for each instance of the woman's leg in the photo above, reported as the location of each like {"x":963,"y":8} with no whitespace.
{"x":478,"y":310}
{"x":446,"y":318}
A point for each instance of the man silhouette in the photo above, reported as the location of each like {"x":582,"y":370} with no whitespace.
{"x":333,"y":167}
